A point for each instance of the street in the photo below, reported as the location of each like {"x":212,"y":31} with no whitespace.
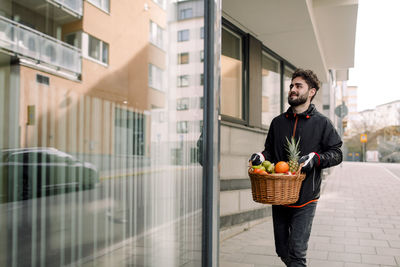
{"x":357,"y":223}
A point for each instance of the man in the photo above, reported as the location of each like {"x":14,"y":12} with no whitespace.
{"x":319,"y":148}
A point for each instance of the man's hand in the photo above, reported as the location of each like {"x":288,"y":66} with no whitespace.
{"x":310,"y":161}
{"x":257,"y":159}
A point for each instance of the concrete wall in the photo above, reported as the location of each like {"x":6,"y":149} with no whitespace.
{"x":238,"y":211}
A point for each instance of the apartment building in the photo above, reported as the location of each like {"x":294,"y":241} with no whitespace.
{"x":102,"y":106}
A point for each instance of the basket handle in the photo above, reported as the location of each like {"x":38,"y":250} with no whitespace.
{"x":299,"y":171}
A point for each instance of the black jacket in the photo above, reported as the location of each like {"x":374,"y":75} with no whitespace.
{"x":316,"y":133}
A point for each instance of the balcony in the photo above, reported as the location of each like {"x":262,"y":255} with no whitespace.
{"x":74,"y":6}
{"x":41,"y":48}
{"x":64,"y":10}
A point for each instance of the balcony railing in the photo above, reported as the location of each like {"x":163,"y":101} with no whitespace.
{"x":33,"y":44}
{"x":73,"y":5}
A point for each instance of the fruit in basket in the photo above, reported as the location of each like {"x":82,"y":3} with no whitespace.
{"x":281,"y":167}
{"x":271,"y":168}
{"x":266,"y":163}
{"x":259,"y":171}
{"x":292,"y":147}
{"x":259,"y":167}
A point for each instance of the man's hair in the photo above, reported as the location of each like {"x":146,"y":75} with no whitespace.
{"x":310,"y":77}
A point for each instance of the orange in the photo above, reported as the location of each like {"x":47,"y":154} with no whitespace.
{"x":281,"y":167}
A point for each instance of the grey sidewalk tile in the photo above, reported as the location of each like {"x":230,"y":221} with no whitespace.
{"x":320,"y":263}
{"x":329,"y":233}
{"x":329,"y":247}
{"x":386,"y":236}
{"x":319,"y":239}
{"x":260,"y":259}
{"x":317,"y":255}
{"x":384,"y":226}
{"x":360,"y":249}
{"x":346,"y":241}
{"x":351,"y":264}
{"x":377,"y":259}
{"x":346,"y":257}
{"x":388,"y":251}
{"x":261,"y":250}
{"x":358,"y":235}
{"x":394,"y":244}
{"x":345,"y":228}
{"x":370,"y":230}
{"x":392,"y":231}
{"x":374,"y":243}
{"x":234,"y":264}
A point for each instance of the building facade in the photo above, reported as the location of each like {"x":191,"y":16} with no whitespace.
{"x":102,"y":105}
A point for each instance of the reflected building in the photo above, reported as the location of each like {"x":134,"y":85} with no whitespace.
{"x":101,"y":107}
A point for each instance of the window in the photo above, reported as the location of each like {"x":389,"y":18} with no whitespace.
{"x":201,"y":102}
{"x":161,"y":3}
{"x":202,"y":33}
{"x":202,"y":79}
{"x":182,"y":127}
{"x":156,"y":78}
{"x":183,"y":81}
{"x":98,"y":50}
{"x":129,"y":132}
{"x":271,"y":84}
{"x":74,"y":39}
{"x":183,"y":58}
{"x":183,"y":35}
{"x":231,"y":75}
{"x":42,"y":79}
{"x":102,"y":4}
{"x":156,"y":35}
{"x":186,"y":13}
{"x":287,"y":80}
{"x":182,"y":104}
{"x":202,"y":56}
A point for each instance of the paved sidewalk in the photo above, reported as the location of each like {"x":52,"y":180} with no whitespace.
{"x":357,"y":223}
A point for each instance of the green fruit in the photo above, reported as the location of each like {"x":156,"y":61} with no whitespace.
{"x":266,"y":164}
{"x":271,"y":168}
{"x":261,"y":167}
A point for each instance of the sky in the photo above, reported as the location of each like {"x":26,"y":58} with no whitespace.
{"x":376,"y":70}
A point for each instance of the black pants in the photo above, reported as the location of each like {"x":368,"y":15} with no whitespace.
{"x":292,"y":228}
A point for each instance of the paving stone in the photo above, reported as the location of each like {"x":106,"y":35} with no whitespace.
{"x":388,"y":251}
{"x":360,"y":249}
{"x":374,"y":243}
{"x":346,"y":241}
{"x":377,"y":259}
{"x":317,"y":254}
{"x":351,"y":264}
{"x":320,"y":263}
{"x":346,"y":257}
{"x":329,"y":247}
{"x":394,"y":244}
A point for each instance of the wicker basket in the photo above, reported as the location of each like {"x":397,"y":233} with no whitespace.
{"x":276,"y":189}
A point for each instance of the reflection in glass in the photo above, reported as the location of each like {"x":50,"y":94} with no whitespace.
{"x":99,"y":163}
{"x":270,"y":89}
{"x":231,"y":74}
{"x":287,"y":80}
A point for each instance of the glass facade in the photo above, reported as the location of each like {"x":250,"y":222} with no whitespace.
{"x":271,"y":82}
{"x":287,"y":80}
{"x":231,"y":75}
{"x":100,"y":116}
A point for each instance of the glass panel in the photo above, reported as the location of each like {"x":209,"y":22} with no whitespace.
{"x":287,"y":76}
{"x":231,"y":75}
{"x":94,"y":48}
{"x":100,"y":168}
{"x":271,"y":89}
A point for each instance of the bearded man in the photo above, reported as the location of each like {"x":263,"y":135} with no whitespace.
{"x":319,"y":148}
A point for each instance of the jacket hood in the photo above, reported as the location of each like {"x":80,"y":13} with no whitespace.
{"x":309,"y":112}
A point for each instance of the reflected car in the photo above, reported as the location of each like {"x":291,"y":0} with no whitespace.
{"x":392,"y":157}
{"x":35,"y":172}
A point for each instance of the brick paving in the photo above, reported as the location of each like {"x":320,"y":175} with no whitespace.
{"x":357,"y":223}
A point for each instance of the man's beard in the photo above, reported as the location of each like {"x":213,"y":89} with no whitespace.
{"x":301,"y":99}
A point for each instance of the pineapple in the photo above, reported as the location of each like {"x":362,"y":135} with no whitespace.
{"x":292,"y":147}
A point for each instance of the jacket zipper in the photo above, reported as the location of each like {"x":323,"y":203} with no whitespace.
{"x":295,"y":125}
